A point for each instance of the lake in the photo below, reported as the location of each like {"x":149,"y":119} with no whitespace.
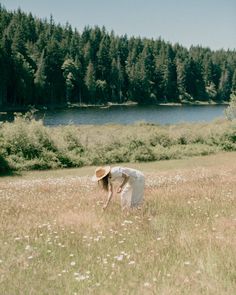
{"x":163,"y":114}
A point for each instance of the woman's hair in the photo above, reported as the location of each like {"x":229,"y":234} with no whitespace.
{"x":104,"y":182}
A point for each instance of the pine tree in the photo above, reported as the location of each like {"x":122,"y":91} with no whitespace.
{"x":40,"y":81}
{"x":90,"y":82}
{"x":233,"y":88}
{"x":225,"y":85}
{"x":116,"y":80}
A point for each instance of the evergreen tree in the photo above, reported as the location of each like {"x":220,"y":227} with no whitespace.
{"x":225,"y":85}
{"x":71,"y":72}
{"x":40,"y":81}
{"x":90,"y":82}
{"x":53,"y":71}
{"x":42,"y":62}
{"x":116,"y":80}
{"x":233,"y":88}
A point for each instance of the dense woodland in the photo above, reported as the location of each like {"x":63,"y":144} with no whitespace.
{"x":43,"y":63}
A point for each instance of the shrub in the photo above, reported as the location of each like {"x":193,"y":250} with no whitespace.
{"x":4,"y":165}
{"x":142,"y":154}
{"x":161,"y":138}
{"x":28,"y":144}
{"x":230,"y":112}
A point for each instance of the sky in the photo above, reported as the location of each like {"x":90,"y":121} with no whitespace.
{"x":208,"y":23}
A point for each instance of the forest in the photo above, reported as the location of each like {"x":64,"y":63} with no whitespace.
{"x":43,"y":63}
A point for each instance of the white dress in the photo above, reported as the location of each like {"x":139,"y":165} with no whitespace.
{"x":132,"y":193}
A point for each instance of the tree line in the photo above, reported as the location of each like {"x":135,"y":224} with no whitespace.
{"x":43,"y":63}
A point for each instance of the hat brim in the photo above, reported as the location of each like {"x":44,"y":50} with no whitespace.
{"x":107,"y":170}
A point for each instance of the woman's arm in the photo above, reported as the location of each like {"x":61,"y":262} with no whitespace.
{"x":125,"y":180}
{"x":109,"y":196}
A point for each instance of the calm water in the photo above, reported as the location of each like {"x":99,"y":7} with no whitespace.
{"x":131,"y":114}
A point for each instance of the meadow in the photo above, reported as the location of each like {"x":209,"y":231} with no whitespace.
{"x":56,"y":239}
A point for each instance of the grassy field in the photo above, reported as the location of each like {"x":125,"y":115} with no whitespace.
{"x":55,"y":238}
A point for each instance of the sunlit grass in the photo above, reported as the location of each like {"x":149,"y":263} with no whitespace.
{"x":27,"y":144}
{"x":55,"y":238}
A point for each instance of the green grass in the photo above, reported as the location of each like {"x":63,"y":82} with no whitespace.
{"x":55,"y":238}
{"x":26,"y":144}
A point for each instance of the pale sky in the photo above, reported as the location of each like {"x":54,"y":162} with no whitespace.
{"x":209,"y":23}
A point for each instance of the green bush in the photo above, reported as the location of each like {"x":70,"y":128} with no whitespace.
{"x":142,"y":154}
{"x":30,"y":145}
{"x":4,"y":165}
{"x":161,"y":138}
{"x":27,"y":144}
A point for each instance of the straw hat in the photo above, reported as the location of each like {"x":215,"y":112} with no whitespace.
{"x":101,"y":172}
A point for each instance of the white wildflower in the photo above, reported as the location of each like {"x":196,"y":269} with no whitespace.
{"x":187,"y":263}
{"x":119,"y":258}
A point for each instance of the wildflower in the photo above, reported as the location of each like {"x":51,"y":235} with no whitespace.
{"x":128,"y":221}
{"x":198,"y":272}
{"x":30,"y":257}
{"x":147,"y":284}
{"x":81,"y":278}
{"x":186,"y":280}
{"x":72,"y":263}
{"x":119,"y":258}
{"x":131,"y":262}
{"x":187,"y":263}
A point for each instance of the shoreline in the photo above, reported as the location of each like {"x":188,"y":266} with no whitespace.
{"x":18,"y":109}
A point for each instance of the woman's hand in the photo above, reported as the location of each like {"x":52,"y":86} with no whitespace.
{"x":125,"y":180}
{"x":119,"y":189}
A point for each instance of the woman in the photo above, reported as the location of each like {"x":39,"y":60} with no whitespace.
{"x":131,"y":184}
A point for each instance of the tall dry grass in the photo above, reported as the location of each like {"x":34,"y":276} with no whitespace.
{"x":26,"y":144}
{"x":55,"y":238}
